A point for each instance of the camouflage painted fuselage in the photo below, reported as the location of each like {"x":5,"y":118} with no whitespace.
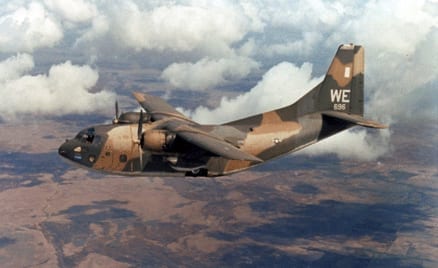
{"x":174,"y":145}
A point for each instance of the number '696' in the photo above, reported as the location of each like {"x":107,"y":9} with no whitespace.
{"x":339,"y":107}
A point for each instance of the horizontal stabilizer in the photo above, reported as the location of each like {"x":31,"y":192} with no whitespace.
{"x":354,"y":119}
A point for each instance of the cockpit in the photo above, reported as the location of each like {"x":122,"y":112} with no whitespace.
{"x":84,"y":148}
{"x":88,"y":136}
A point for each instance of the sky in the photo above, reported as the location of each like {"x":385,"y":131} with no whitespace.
{"x":203,"y":45}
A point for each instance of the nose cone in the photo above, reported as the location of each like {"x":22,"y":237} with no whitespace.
{"x":62,"y":150}
{"x":73,"y":151}
{"x":66,"y":150}
{"x":78,"y":152}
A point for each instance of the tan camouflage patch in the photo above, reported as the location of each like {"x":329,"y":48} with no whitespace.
{"x":341,"y":73}
{"x":271,"y":132}
{"x":119,"y":144}
{"x":235,"y":165}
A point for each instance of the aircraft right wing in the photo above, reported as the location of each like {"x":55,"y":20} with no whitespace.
{"x":157,"y":107}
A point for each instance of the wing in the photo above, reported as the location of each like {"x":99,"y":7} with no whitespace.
{"x":209,"y":142}
{"x":166,"y":117}
{"x":157,"y":107}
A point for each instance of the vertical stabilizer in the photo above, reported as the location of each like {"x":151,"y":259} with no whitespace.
{"x":343,"y":86}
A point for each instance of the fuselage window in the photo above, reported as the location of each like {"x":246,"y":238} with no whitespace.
{"x":123,"y":158}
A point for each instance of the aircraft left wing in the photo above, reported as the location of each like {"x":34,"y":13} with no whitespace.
{"x":157,"y":107}
{"x":209,"y":142}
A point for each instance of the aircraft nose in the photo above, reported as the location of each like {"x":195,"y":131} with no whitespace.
{"x":66,"y":149}
{"x":62,"y":149}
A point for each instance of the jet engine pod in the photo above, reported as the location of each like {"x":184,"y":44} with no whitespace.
{"x":158,"y":140}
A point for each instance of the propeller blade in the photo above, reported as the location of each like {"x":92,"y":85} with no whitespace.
{"x":140,"y":126}
{"x":140,"y":153}
{"x":116,"y":118}
{"x":117,"y":110}
{"x":140,"y":138}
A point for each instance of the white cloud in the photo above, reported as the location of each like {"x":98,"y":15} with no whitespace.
{"x":178,"y":27}
{"x":28,"y":28}
{"x":281,"y":85}
{"x":304,"y":14}
{"x":100,"y":26}
{"x":64,"y":90}
{"x":402,"y":24}
{"x":73,"y":10}
{"x":14,"y":67}
{"x":208,"y":73}
{"x":306,"y":45}
{"x":356,"y":143}
{"x":397,"y":77}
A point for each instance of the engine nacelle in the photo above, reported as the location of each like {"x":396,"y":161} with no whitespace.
{"x":158,"y":140}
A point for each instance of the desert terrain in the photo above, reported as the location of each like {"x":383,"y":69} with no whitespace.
{"x":294,"y":211}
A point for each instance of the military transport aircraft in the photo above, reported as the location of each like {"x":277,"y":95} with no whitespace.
{"x":164,"y":142}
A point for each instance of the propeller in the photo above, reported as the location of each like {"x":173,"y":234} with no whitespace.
{"x":140,"y":131}
{"x":140,"y":140}
{"x":116,"y":118}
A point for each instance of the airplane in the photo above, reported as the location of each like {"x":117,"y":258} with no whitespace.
{"x":164,"y":142}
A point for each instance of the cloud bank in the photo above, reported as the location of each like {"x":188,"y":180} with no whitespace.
{"x":209,"y":27}
{"x":220,"y":43}
{"x":208,"y":73}
{"x":64,"y":90}
{"x":280,"y":86}
{"x":28,"y":28}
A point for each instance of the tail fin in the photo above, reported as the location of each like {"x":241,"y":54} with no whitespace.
{"x":343,"y":86}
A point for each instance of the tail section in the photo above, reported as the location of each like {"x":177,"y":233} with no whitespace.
{"x":341,"y":94}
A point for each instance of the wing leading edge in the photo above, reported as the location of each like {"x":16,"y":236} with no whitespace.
{"x":157,"y":107}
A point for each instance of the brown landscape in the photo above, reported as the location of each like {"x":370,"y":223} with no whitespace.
{"x":295,"y":211}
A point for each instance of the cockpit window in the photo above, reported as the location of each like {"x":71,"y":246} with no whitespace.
{"x":88,"y":136}
{"x":96,"y":139}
